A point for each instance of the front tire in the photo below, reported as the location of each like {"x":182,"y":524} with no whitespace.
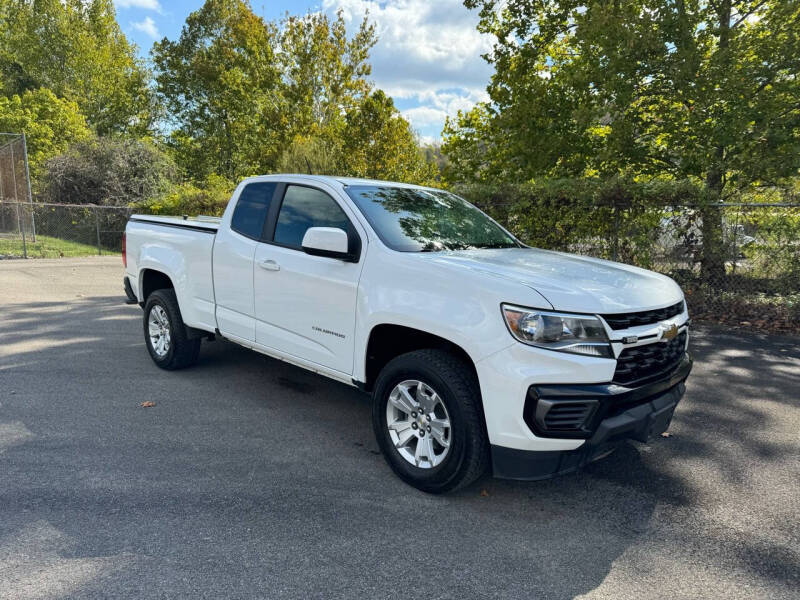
{"x":165,"y":334}
{"x":426,"y":413}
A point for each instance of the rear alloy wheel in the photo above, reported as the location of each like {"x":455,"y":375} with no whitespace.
{"x":158,"y":328}
{"x":165,"y":334}
{"x":427,"y":417}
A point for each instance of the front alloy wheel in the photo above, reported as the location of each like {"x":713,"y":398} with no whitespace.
{"x":418,"y":423}
{"x":426,"y":412}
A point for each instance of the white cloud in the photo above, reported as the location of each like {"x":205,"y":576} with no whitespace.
{"x":429,"y":140}
{"x":428,"y":51}
{"x":143,"y":4}
{"x":436,"y":106}
{"x":148,"y":27}
{"x":449,"y":101}
{"x":424,"y":116}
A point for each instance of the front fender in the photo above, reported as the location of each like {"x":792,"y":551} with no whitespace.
{"x":461,"y":308}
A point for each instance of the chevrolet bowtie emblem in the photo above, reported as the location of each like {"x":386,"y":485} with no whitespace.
{"x":668,"y":332}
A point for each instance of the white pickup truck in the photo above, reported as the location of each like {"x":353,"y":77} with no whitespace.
{"x":479,"y":352}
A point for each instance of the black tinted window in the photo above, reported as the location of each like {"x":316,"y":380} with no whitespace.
{"x":251,"y":208}
{"x":427,"y":220}
{"x":303,"y":208}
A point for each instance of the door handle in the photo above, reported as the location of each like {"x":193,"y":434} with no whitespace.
{"x":269,"y":265}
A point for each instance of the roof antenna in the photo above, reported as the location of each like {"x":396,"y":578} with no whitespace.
{"x":308,"y":164}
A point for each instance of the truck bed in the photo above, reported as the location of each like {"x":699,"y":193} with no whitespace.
{"x":181,"y":248}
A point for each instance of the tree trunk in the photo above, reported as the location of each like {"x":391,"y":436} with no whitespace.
{"x":713,"y":258}
{"x":712,"y":263}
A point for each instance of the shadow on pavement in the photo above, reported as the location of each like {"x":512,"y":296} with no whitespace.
{"x":251,"y":477}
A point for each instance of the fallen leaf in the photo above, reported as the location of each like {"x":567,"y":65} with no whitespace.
{"x":666,"y":434}
{"x":484,"y":493}
{"x":147,"y":404}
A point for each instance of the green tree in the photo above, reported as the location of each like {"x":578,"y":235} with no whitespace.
{"x":239,"y":89}
{"x":221,"y":85}
{"x":705,"y":90}
{"x":76,"y":49}
{"x":375,"y":141}
{"x":326,"y":73}
{"x":308,"y":154}
{"x":50,"y":124}
{"x":379,"y":143}
{"x":434,"y":155}
{"x":248,"y":96}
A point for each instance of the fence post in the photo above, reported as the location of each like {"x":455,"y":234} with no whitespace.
{"x":735,"y":233}
{"x":615,"y":247}
{"x":2,"y":198}
{"x":97,"y":228}
{"x":19,"y":220}
{"x":28,"y":181}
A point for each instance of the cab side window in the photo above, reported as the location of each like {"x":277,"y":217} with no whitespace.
{"x":252,"y":208}
{"x":305,"y":207}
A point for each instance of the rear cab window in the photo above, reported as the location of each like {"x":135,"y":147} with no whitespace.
{"x":252,"y":207}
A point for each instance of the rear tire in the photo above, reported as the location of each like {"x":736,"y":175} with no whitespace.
{"x":165,"y":334}
{"x":450,"y":400}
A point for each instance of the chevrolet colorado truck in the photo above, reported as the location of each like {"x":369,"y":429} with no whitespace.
{"x":480,"y":353}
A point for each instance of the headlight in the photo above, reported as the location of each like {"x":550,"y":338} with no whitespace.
{"x":579,"y":334}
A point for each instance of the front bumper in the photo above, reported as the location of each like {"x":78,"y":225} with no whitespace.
{"x":617,"y":413}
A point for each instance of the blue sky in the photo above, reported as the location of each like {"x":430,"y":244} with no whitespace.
{"x":427,"y":56}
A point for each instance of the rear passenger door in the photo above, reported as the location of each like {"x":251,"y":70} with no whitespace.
{"x":234,"y":248}
{"x":305,"y":305}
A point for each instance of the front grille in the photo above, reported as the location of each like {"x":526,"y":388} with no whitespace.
{"x":567,"y":416}
{"x":646,"y":317}
{"x":645,"y":362}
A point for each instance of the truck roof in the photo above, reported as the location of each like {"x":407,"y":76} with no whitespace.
{"x":345,"y":181}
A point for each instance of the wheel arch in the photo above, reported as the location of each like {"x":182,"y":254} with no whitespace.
{"x":150,"y":280}
{"x":388,"y":340}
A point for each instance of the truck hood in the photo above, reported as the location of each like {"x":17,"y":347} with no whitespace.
{"x":567,"y":281}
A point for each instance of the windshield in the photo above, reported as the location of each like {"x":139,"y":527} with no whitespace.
{"x":415,"y":220}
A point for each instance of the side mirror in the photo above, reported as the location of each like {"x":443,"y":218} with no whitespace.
{"x":326,"y":241}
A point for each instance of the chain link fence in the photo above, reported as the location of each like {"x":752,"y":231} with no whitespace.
{"x":759,"y":247}
{"x":38,"y":230}
{"x":15,"y":183}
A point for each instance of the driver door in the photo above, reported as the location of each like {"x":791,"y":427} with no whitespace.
{"x":305,"y":305}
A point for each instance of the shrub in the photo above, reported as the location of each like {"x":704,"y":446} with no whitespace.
{"x":658,"y":225}
{"x":108,"y":171}
{"x":207,"y":198}
{"x":605,"y":218}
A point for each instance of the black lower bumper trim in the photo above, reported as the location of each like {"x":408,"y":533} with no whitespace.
{"x":638,"y":423}
{"x":585,"y":406}
{"x":524,"y":465}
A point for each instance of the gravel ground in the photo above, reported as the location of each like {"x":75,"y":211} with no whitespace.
{"x":252,"y":478}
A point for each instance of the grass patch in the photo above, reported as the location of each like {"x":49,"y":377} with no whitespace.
{"x":49,"y":247}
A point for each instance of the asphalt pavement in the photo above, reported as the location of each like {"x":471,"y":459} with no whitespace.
{"x":251,"y":478}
